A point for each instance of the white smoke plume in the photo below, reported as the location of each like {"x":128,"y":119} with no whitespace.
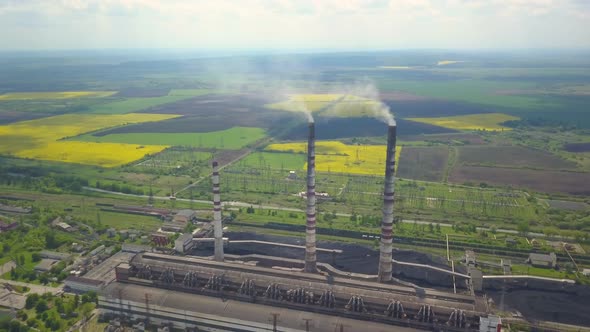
{"x":365,"y":88}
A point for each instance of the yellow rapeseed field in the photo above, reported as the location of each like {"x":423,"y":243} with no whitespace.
{"x":487,"y":121}
{"x":337,"y":157}
{"x":302,"y":102}
{"x":42,"y":139}
{"x":55,"y":95}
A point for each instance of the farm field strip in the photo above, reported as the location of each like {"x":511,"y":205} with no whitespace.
{"x":42,"y":139}
{"x":54,"y":95}
{"x":129,"y":105}
{"x":335,"y":156}
{"x":233,"y":138}
{"x":486,"y":121}
{"x":305,"y":102}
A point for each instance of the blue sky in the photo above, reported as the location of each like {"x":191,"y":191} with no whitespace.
{"x":294,"y":24}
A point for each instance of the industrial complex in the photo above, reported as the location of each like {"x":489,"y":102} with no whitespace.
{"x":226,"y":292}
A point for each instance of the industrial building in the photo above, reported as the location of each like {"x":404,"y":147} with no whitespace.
{"x":258,"y":293}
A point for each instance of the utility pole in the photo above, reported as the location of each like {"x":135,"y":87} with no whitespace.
{"x":147,"y":309}
{"x":307,"y":320}
{"x":275,"y":317}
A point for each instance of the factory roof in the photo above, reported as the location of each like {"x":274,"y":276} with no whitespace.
{"x":45,"y":264}
{"x":82,"y":280}
{"x":550,"y":258}
{"x":234,"y":270}
{"x":199,"y":305}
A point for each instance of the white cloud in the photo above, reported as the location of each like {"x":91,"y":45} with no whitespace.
{"x":294,"y":23}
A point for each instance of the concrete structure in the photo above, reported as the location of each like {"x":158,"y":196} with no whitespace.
{"x":586,"y":272}
{"x":385,"y":246}
{"x":310,"y":238}
{"x":45,"y":265}
{"x":345,"y":295}
{"x":184,"y":243}
{"x":476,"y":278}
{"x":490,"y":324}
{"x":217,"y":223}
{"x":543,"y":260}
{"x":184,"y":216}
{"x":470,"y":257}
{"x":203,"y":313}
{"x":134,"y":248}
{"x":61,"y":225}
{"x":82,"y":285}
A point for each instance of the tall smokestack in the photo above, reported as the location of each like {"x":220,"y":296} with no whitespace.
{"x":310,"y":250}
{"x":385,"y":247}
{"x":217,"y":226}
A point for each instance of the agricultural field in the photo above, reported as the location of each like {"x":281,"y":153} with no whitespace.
{"x":423,"y":163}
{"x":490,"y":121}
{"x":539,"y":180}
{"x":306,"y":102}
{"x":43,"y":139}
{"x":234,"y":138}
{"x":337,"y":157}
{"x":274,"y":160}
{"x":55,"y":95}
{"x":130,"y":105}
{"x":511,"y":156}
{"x":214,"y":112}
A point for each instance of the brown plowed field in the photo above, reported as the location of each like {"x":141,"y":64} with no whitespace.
{"x":545,"y":181}
{"x":511,"y":156}
{"x":446,"y":138}
{"x":577,"y":147}
{"x":423,"y":163}
{"x":211,"y":113}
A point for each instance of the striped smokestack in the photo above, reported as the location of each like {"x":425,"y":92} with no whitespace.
{"x":310,"y":252}
{"x":385,"y":247}
{"x":217,"y":226}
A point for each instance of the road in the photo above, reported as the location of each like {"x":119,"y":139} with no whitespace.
{"x":39,"y":289}
{"x":281,"y":208}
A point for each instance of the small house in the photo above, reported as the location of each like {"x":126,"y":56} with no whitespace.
{"x":185,"y":216}
{"x":543,"y":260}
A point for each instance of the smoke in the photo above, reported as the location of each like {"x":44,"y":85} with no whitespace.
{"x":361,"y":96}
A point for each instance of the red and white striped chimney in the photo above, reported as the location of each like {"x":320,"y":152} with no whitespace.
{"x":385,"y":247}
{"x":217,"y":226}
{"x":310,"y":245}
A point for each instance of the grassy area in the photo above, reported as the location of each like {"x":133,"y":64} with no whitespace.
{"x":54,"y":95}
{"x":283,"y":161}
{"x":487,"y":121}
{"x":232,"y":139}
{"x":122,"y":221}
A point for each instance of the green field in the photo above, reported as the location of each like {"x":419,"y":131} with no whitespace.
{"x":470,"y":90}
{"x":129,"y":105}
{"x":120,"y":221}
{"x":231,"y":139}
{"x":284,"y":161}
